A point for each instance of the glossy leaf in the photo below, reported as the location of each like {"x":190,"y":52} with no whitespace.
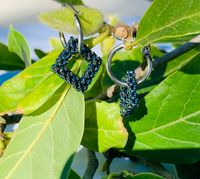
{"x":34,"y":86}
{"x":104,"y":128}
{"x":43,"y":146}
{"x":181,"y":61}
{"x":13,"y":91}
{"x":27,"y":86}
{"x":6,"y":76}
{"x":169,"y":19}
{"x":9,"y":60}
{"x":63,"y":20}
{"x":18,"y":45}
{"x":168,"y":119}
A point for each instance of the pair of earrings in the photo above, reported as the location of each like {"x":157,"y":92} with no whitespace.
{"x":128,"y":84}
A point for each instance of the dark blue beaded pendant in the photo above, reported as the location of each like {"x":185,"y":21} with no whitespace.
{"x":59,"y":67}
{"x":128,"y":95}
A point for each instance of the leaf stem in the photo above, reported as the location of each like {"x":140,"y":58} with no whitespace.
{"x":103,"y":33}
{"x":91,"y":166}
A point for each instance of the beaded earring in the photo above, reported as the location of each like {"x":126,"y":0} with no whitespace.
{"x":128,"y":85}
{"x":73,"y":47}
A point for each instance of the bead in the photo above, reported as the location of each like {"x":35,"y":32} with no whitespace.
{"x":128,"y":96}
{"x":71,"y":48}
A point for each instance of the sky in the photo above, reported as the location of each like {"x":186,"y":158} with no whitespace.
{"x":12,"y":11}
{"x":23,"y":16}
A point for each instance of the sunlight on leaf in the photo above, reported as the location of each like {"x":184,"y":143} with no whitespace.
{"x":168,"y":118}
{"x":18,"y":44}
{"x":46,"y":136}
{"x":169,"y":20}
{"x":104,"y":128}
{"x":63,"y":20}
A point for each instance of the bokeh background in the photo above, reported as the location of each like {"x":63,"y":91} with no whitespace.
{"x":22,"y":14}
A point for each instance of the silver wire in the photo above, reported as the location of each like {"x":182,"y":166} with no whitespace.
{"x":79,"y":28}
{"x":145,"y":52}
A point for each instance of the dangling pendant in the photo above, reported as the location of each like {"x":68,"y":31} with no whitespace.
{"x":128,"y":95}
{"x":60,"y":68}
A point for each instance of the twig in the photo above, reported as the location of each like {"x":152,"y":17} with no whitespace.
{"x":91,"y":166}
{"x":140,"y":71}
{"x":175,"y":53}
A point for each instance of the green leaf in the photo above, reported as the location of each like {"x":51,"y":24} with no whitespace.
{"x":37,"y":80}
{"x":181,"y":61}
{"x":45,"y":142}
{"x":63,"y":20}
{"x":168,"y":119}
{"x":104,"y":128}
{"x":107,"y":45}
{"x":18,"y":45}
{"x":39,"y":53}
{"x":127,"y":175}
{"x":30,"y":89}
{"x":73,"y":175}
{"x":72,"y":2}
{"x":35,"y":85}
{"x":9,"y":60}
{"x":169,"y":19}
{"x":55,"y":43}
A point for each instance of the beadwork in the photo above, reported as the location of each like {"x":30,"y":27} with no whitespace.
{"x":128,"y":96}
{"x":60,"y":68}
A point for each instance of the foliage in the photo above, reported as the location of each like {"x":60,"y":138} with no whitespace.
{"x":63,"y":20}
{"x":164,"y":21}
{"x":56,"y":118}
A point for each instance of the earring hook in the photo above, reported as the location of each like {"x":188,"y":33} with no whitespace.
{"x":145,"y":52}
{"x":79,"y":27}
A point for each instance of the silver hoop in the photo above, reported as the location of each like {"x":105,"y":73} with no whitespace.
{"x":80,"y":31}
{"x":145,"y":52}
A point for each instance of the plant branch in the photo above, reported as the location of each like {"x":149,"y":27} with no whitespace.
{"x":91,"y":166}
{"x":175,"y":53}
{"x":140,"y":71}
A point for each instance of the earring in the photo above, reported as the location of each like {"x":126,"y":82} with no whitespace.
{"x":73,"y":47}
{"x":128,"y":85}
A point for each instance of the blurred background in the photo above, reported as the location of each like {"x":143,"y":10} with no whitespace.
{"x":23,"y":16}
{"x":13,"y":11}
